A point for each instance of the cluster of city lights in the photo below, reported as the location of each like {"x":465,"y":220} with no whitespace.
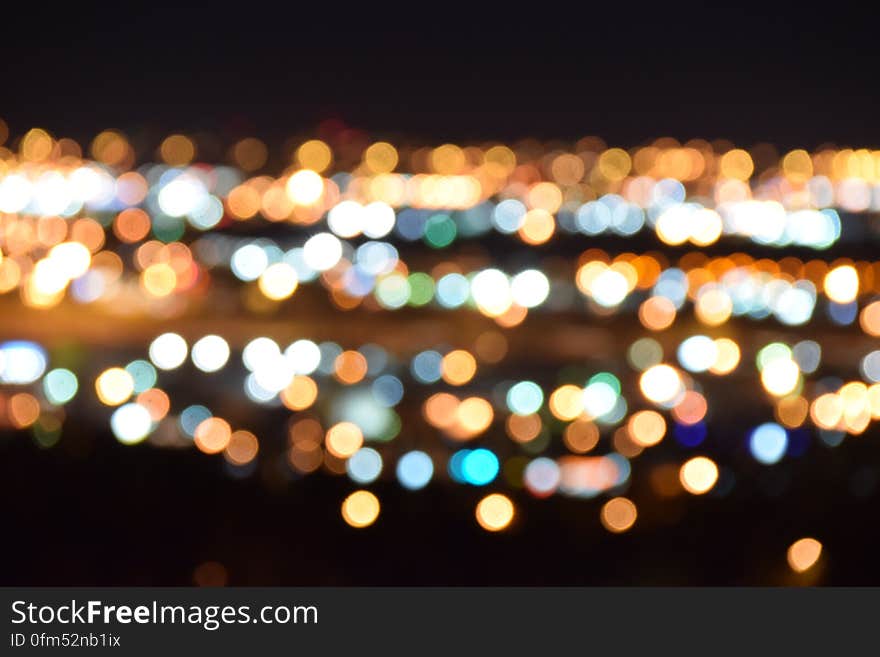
{"x":492,"y":234}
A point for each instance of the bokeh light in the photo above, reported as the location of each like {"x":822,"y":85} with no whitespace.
{"x":699,"y":475}
{"x":495,"y":512}
{"x":803,"y":554}
{"x":360,"y":509}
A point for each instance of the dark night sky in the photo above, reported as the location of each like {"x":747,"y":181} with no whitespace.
{"x":794,"y":76}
